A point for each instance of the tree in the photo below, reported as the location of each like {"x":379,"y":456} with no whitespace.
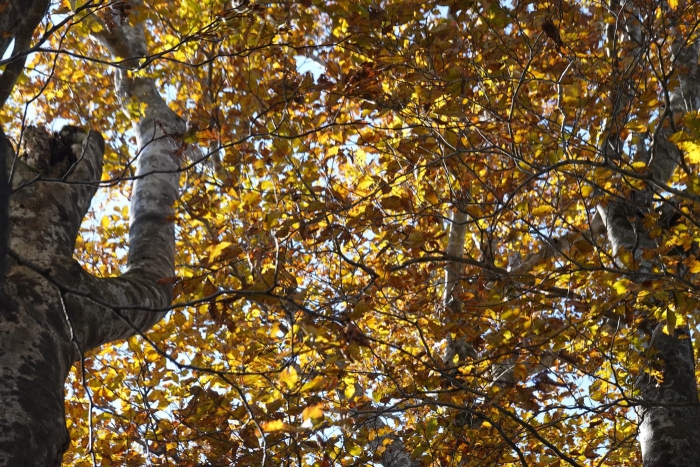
{"x":408,"y":233}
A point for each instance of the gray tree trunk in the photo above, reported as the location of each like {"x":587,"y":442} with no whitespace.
{"x":51,"y":310}
{"x":669,"y":432}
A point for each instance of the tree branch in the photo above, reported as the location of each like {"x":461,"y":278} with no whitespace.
{"x":18,"y":22}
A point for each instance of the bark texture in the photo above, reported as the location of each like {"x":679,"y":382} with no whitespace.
{"x":670,"y":415}
{"x":51,"y":310}
{"x":5,"y":192}
{"x":18,"y":22}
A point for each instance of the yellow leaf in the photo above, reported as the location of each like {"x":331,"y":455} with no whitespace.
{"x":692,"y":151}
{"x":637,"y":125}
{"x":315,"y":383}
{"x":312,"y":411}
{"x":216,"y":251}
{"x":365,"y":183}
{"x":673,"y":4}
{"x":624,"y":286}
{"x":671,"y":319}
{"x":354,"y":450}
{"x":543,"y":209}
{"x":349,"y":391}
{"x":289,"y":377}
{"x":695,"y":267}
{"x":104,"y":222}
{"x":275,"y":425}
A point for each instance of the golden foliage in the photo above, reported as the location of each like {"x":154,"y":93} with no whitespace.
{"x":339,"y":137}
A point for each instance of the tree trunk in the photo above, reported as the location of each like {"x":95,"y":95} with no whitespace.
{"x":51,"y":310}
{"x":669,"y":431}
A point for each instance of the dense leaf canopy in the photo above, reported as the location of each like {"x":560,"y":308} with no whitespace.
{"x":341,"y":144}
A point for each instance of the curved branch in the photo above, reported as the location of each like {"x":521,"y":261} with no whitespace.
{"x":20,"y":19}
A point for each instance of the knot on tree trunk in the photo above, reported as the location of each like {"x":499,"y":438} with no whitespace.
{"x":45,"y":213}
{"x":52,"y":155}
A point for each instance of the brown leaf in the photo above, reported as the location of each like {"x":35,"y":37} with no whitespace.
{"x":552,"y":31}
{"x":353,"y":335}
{"x":167,"y":280}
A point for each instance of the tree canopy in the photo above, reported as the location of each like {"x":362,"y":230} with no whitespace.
{"x":445,"y":233}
